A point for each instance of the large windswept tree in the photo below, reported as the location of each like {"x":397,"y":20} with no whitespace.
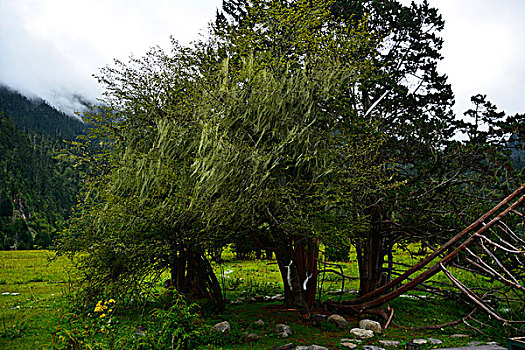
{"x":241,"y":133}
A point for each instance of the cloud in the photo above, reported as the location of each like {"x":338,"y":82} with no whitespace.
{"x":51,"y":48}
{"x":484,"y":50}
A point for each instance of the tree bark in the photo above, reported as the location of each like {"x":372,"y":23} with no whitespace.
{"x":371,"y":255}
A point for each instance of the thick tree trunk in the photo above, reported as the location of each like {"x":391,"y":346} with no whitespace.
{"x":370,"y":255}
{"x":191,"y":273}
{"x":298,"y":265}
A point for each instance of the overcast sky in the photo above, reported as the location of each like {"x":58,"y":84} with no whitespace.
{"x":51,"y":48}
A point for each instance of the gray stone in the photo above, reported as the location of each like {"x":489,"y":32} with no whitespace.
{"x":283,"y":330}
{"x":222,"y":327}
{"x":389,"y":343}
{"x":317,"y":347}
{"x":474,"y":343}
{"x":302,"y":347}
{"x":434,"y":341}
{"x":420,"y":341}
{"x":348,"y":345}
{"x":259,"y":323}
{"x":351,"y":341}
{"x":361,"y":333}
{"x":493,"y":343}
{"x":288,"y":346}
{"x":370,"y":325}
{"x":317,"y":319}
{"x":459,"y":336}
{"x":250,"y":338}
{"x":371,"y":347}
{"x":338,"y":321}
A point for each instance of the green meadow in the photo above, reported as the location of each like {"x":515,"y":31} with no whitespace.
{"x":36,"y":312}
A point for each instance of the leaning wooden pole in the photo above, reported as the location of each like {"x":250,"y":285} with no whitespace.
{"x":377,"y":297}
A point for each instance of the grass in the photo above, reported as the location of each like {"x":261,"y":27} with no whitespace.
{"x":37,"y":283}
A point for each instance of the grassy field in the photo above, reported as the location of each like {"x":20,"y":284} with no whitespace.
{"x":33,"y":285}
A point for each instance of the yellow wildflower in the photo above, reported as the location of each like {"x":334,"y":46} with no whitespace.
{"x":100,"y":307}
{"x":102,"y":315}
{"x":112,"y":301}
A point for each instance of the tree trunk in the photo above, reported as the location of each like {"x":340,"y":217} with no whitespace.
{"x":370,"y":255}
{"x":191,"y":273}
{"x":298,"y":265}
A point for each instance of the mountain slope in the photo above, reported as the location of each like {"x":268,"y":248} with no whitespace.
{"x":38,"y":116}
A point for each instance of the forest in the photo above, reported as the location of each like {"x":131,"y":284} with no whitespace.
{"x":37,"y":191}
{"x":306,"y":132}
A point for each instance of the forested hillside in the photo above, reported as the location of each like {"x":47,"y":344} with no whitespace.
{"x":37,"y":190}
{"x":38,"y":115}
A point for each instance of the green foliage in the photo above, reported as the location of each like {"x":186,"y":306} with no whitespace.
{"x":37,"y":191}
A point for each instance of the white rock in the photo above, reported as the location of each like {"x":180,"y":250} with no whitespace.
{"x":435,"y":341}
{"x":371,"y":347}
{"x":370,"y":325}
{"x":362,"y":333}
{"x":348,"y":345}
{"x":259,"y":323}
{"x":345,"y":340}
{"x":222,"y":327}
{"x":420,"y":341}
{"x":317,"y":347}
{"x":283,"y":330}
{"x":389,"y":343}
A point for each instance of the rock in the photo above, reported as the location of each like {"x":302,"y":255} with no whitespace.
{"x":362,"y":333}
{"x":222,"y":327}
{"x":317,"y":347}
{"x":317,"y":319}
{"x":459,"y":336}
{"x":259,"y":323}
{"x":350,"y":341}
{"x":371,"y":347}
{"x":289,"y":346}
{"x":420,"y":341}
{"x":389,"y":343}
{"x":348,"y":345}
{"x":493,"y":343}
{"x":435,"y":341}
{"x":283,"y":330}
{"x":259,"y":298}
{"x":370,"y":325}
{"x":338,"y":320}
{"x":302,"y":347}
{"x":474,"y":343}
{"x":250,"y":338}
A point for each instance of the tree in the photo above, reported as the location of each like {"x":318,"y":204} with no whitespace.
{"x":137,"y":217}
{"x":410,"y":102}
{"x":225,"y":137}
{"x":285,"y":149}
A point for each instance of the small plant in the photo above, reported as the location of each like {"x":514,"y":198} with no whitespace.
{"x":329,"y":327}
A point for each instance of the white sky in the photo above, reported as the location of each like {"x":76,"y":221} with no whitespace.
{"x":50,"y":48}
